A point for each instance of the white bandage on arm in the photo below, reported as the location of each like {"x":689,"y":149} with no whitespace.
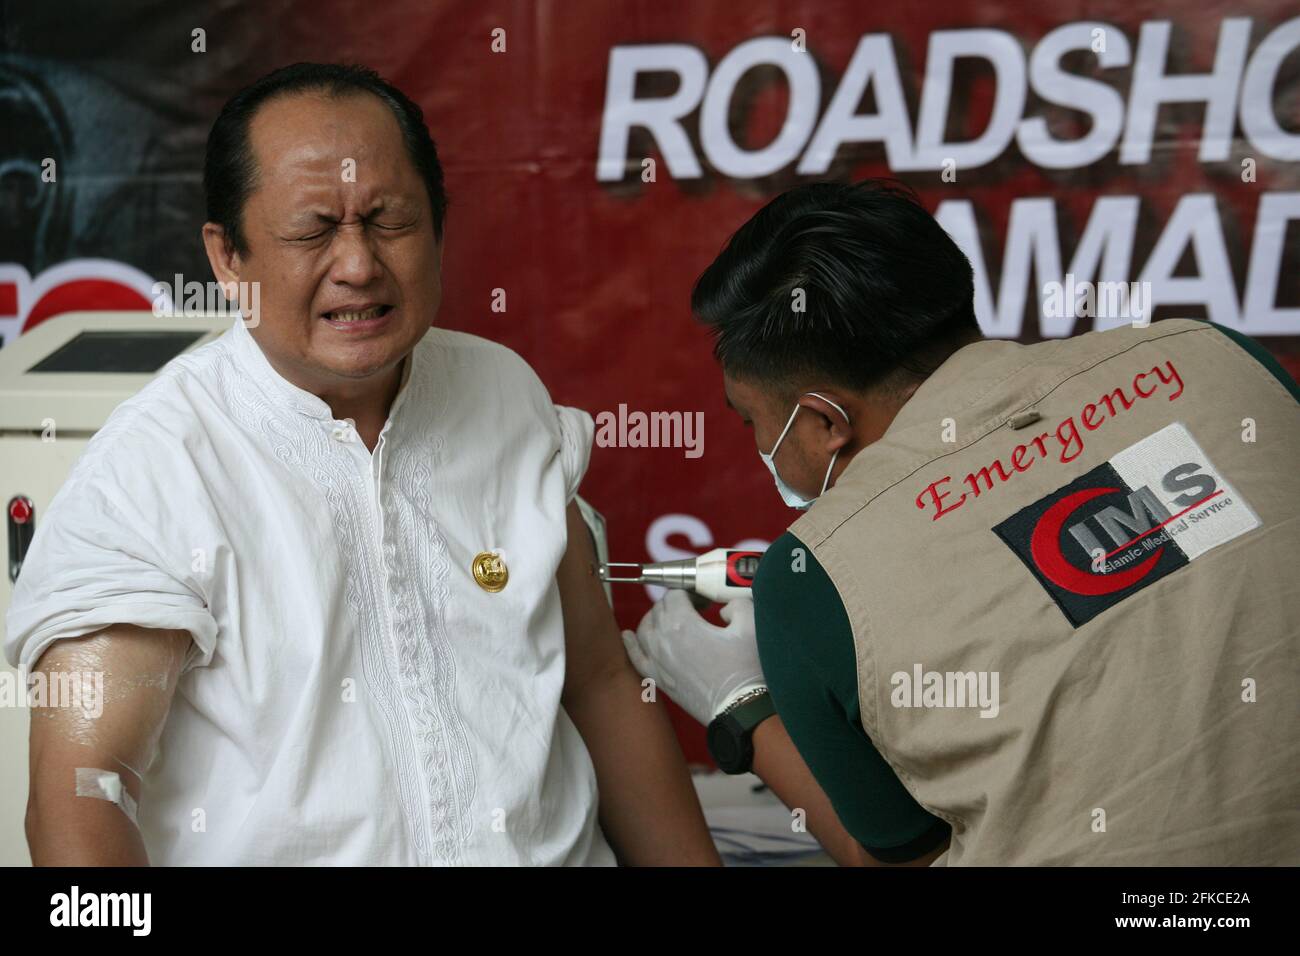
{"x":113,"y":733}
{"x":106,"y":785}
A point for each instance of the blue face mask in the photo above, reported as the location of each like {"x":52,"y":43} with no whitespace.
{"x":791,"y":497}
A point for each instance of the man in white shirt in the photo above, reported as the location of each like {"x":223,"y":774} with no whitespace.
{"x":330,"y":565}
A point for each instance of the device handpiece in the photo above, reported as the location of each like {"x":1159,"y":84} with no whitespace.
{"x":718,"y":575}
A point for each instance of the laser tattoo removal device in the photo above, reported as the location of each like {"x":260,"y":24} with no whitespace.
{"x":719,"y":575}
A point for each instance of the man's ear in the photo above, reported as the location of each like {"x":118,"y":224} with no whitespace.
{"x":838,"y":431}
{"x":222,"y":256}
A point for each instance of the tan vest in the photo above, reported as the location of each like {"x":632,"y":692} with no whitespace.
{"x":1072,"y":571}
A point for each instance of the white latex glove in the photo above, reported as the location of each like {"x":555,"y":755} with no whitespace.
{"x":699,"y":665}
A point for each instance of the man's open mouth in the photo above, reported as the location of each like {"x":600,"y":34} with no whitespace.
{"x":358,"y":315}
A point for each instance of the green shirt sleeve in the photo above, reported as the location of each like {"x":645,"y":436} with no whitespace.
{"x":805,"y":644}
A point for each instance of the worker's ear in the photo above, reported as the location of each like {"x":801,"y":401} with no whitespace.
{"x":838,"y":431}
{"x":222,"y":256}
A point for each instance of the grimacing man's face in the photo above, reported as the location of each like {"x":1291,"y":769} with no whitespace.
{"x":325,"y":248}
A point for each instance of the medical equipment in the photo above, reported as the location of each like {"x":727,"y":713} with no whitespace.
{"x":595,"y":522}
{"x":58,"y":384}
{"x":718,"y":575}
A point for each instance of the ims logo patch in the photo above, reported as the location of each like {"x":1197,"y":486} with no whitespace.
{"x":1126,"y":524}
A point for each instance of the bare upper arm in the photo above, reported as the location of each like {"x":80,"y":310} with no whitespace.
{"x":593,"y":648}
{"x":126,"y":678}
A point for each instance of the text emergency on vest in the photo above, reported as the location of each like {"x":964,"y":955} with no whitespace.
{"x":1068,"y":439}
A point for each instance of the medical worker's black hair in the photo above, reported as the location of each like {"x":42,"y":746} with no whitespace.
{"x":230,"y":169}
{"x":884,"y":291}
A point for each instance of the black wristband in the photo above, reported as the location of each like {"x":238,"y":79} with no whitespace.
{"x":731,"y":734}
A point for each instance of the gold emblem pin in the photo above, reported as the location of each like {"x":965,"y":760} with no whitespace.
{"x":490,"y":571}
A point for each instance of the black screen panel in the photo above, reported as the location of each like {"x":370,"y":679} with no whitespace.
{"x":110,"y":350}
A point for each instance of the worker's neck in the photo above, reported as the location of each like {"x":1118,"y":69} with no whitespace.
{"x":887,"y":398}
{"x":874,"y":418}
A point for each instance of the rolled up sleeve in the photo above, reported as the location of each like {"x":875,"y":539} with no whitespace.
{"x":89,"y":567}
{"x":576,"y":432}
